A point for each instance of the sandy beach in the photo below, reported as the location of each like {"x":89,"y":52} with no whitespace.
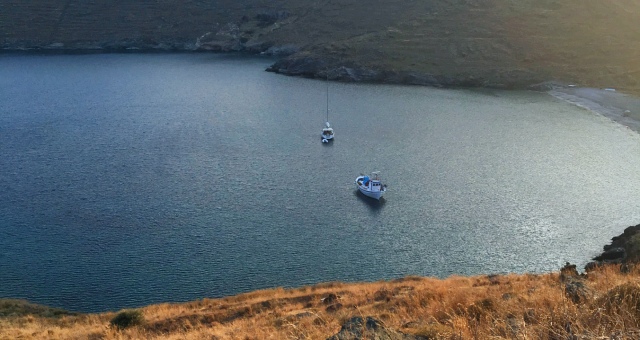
{"x":619,"y":107}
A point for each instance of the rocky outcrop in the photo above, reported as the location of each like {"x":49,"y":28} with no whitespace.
{"x":310,"y":65}
{"x":224,"y":40}
{"x":358,"y":328}
{"x":624,"y":249}
{"x":574,"y":286}
{"x":248,"y":34}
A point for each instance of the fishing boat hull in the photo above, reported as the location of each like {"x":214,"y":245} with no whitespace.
{"x":375,"y":195}
{"x":370,"y":190}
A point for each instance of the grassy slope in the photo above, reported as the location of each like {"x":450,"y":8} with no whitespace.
{"x":482,"y":307}
{"x":590,"y":42}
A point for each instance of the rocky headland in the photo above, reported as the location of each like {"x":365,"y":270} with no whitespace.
{"x":493,"y":43}
{"x":624,"y":250}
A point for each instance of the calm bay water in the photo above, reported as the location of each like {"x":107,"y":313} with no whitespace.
{"x":134,"y":179}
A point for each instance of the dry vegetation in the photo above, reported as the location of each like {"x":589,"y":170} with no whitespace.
{"x":603,"y":305}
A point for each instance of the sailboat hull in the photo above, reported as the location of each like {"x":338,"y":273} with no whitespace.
{"x":327,"y":133}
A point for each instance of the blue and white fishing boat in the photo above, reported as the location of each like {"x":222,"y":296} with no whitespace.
{"x":371,"y":186}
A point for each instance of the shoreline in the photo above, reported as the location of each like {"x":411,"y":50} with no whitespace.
{"x":623,"y":251}
{"x":619,"y":107}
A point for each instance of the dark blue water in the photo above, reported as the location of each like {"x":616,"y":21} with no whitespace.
{"x":127,"y":180}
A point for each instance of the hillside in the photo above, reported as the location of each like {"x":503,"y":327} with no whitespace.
{"x":601,"y":305}
{"x":497,"y":43}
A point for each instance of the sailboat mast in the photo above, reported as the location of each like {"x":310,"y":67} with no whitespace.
{"x":327,"y":81}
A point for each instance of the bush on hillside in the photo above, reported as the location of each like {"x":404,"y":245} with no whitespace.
{"x":127,"y":319}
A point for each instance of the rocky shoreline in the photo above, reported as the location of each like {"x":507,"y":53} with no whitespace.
{"x":312,"y":66}
{"x":292,"y":63}
{"x":292,"y":60}
{"x":624,"y":250}
{"x":620,"y":107}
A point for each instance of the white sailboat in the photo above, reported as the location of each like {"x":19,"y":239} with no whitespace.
{"x":327,"y":131}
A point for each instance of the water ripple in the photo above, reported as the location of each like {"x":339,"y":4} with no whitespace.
{"x":147,"y":182}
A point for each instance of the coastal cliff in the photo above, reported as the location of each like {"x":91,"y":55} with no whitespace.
{"x":624,"y":250}
{"x":493,"y":43}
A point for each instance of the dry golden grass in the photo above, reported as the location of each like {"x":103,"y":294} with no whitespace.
{"x":480,"y":307}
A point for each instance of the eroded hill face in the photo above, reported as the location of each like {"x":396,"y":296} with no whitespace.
{"x":502,"y":43}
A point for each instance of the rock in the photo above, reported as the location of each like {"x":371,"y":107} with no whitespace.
{"x":568,"y":272}
{"x":303,"y":315}
{"x":577,"y":291}
{"x":623,"y":249}
{"x":281,"y":51}
{"x":591,"y":266}
{"x":330,"y":299}
{"x":613,"y":254}
{"x":357,"y":74}
{"x":310,"y":64}
{"x":226,"y":39}
{"x":332,"y":303}
{"x":357,"y":328}
{"x":513,"y":325}
{"x":574,"y":287}
{"x":334,"y":307}
{"x":530,"y":317}
{"x":626,"y":268}
{"x":270,"y":17}
{"x":296,"y":65}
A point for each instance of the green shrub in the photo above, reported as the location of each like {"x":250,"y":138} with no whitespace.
{"x":127,"y":319}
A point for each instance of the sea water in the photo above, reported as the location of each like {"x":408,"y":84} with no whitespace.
{"x":131,"y":179}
